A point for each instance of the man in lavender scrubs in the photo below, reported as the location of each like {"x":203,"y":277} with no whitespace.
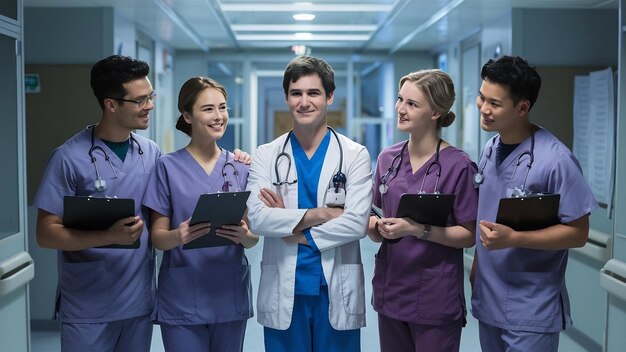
{"x":519,"y":294}
{"x":105,"y":295}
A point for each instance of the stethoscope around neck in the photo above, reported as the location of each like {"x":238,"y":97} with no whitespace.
{"x":393,"y":170}
{"x":479,"y":177}
{"x":227,"y":184}
{"x":336,"y":194}
{"x":101,"y":184}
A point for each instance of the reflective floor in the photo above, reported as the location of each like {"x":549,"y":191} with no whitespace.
{"x":48,"y":341}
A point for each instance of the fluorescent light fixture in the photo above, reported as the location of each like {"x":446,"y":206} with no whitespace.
{"x":303,"y":28}
{"x":303,"y":17}
{"x":303,"y":35}
{"x":302,"y":3}
{"x":282,"y":7}
{"x":291,"y":37}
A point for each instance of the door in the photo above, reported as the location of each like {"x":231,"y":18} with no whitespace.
{"x":16,"y":265}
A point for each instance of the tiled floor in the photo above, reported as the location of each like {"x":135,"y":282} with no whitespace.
{"x":46,"y":341}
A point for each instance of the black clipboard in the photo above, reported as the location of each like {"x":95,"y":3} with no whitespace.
{"x":92,"y":213}
{"x":529,"y":213}
{"x":426,"y":208}
{"x":226,"y":208}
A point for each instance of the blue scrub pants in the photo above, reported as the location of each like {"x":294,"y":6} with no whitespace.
{"x":133,"y":334}
{"x":396,"y":335}
{"x":496,"y":339}
{"x":219,"y":337}
{"x":310,"y":329}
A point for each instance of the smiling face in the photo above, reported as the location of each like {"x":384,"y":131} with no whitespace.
{"x":209,"y":116}
{"x":128,"y":115}
{"x":307,"y":101}
{"x":498,"y":111}
{"x":414,"y":111}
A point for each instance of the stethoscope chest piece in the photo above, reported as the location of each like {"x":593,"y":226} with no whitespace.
{"x":383,"y":188}
{"x":478,"y":179}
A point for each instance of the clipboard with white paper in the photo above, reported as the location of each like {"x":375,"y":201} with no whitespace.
{"x":426,"y":208}
{"x":93,"y":213}
{"x":529,"y":213}
{"x":225,"y":208}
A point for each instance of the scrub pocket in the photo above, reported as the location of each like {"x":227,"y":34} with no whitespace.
{"x":352,"y":279}
{"x":267,"y":301}
{"x":243,"y":289}
{"x":439,"y":295}
{"x":532,"y":298}
{"x":84,"y":290}
{"x":378,"y":282}
{"x":175,"y":296}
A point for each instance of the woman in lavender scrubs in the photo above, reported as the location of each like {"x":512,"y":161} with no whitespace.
{"x":418,"y":278}
{"x":204,"y":294}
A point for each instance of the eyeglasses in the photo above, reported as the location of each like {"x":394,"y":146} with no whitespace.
{"x":141,"y":103}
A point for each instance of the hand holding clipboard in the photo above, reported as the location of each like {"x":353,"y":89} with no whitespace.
{"x":219,"y":209}
{"x":425,"y":208}
{"x":96,"y":214}
{"x":529,"y":213}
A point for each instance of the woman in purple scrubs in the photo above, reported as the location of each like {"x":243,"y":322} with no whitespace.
{"x":418,"y":278}
{"x":204,"y":294}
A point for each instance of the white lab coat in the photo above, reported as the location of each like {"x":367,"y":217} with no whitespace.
{"x":337,"y":240}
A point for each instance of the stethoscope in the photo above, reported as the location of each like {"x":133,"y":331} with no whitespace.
{"x":235,"y":174}
{"x":393,"y":170}
{"x":479,"y":177}
{"x":100,"y":183}
{"x":339,"y":179}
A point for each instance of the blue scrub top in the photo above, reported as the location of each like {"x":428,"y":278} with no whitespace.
{"x":519,"y":288}
{"x":415,"y":280}
{"x":309,"y":273}
{"x":101,"y":284}
{"x":203,"y":285}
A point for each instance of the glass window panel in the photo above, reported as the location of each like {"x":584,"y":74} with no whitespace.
{"x":8,"y":8}
{"x":9,"y":183}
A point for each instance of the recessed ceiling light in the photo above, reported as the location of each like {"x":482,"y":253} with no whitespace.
{"x":303,"y":17}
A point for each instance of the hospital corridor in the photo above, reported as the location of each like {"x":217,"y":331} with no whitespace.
{"x":333,"y":101}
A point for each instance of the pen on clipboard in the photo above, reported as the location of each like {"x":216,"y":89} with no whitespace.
{"x":377,"y":212}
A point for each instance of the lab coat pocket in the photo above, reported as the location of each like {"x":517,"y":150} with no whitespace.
{"x":532,"y":298}
{"x":243,"y":289}
{"x":267,"y":301}
{"x":175,"y":295}
{"x":439,"y":295}
{"x":85,"y":290}
{"x":352,"y":282}
{"x":378,"y":282}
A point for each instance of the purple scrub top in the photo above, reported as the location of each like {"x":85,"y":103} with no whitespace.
{"x":414,"y":280}
{"x":98,"y":284}
{"x":204,"y":285}
{"x":519,"y":288}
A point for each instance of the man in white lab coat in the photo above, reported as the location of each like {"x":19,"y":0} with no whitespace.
{"x":311,"y":197}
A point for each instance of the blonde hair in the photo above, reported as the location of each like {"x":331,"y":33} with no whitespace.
{"x":438,"y":89}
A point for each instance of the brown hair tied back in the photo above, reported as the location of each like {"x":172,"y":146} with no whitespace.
{"x":183,"y":126}
{"x":447,"y":119}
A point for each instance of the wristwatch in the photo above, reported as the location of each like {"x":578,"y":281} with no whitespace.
{"x":426,"y":233}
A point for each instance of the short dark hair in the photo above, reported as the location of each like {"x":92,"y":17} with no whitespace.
{"x":188,"y":95}
{"x":515,"y":73}
{"x":305,"y":66}
{"x":109,"y":74}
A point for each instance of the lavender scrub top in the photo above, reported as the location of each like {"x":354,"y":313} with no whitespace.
{"x":203,"y":285}
{"x":101,"y":284}
{"x":519,"y":288}
{"x":415,"y":280}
